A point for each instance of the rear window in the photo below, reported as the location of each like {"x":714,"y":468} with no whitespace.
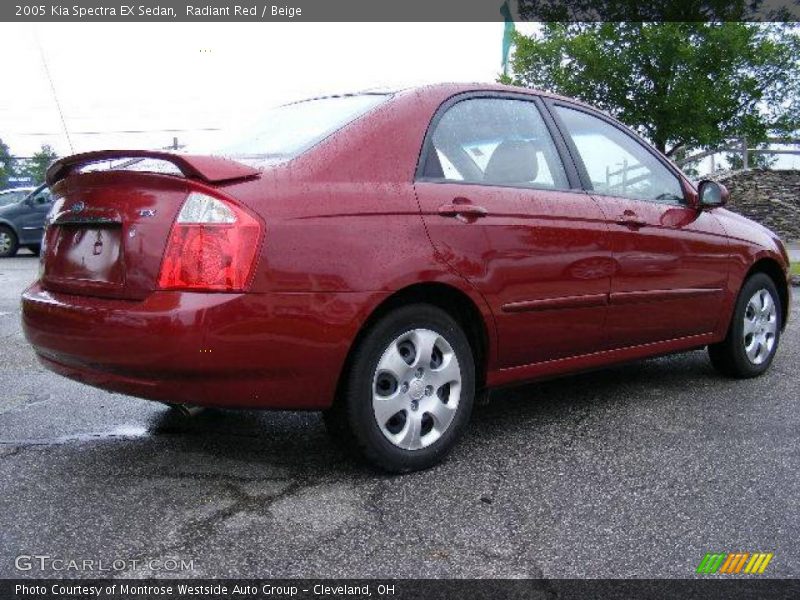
{"x":278,"y":135}
{"x":287,"y":131}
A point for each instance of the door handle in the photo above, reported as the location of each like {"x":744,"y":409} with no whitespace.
{"x":629,"y":219}
{"x":461,"y":207}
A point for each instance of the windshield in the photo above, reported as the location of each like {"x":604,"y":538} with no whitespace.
{"x":12,"y":197}
{"x":286,"y":131}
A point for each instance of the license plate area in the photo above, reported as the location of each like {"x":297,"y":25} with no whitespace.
{"x":86,"y":253}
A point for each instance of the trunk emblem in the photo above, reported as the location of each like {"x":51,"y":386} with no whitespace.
{"x":147,"y":212}
{"x":77,"y":207}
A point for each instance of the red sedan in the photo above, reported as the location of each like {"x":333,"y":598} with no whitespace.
{"x":384,"y":257}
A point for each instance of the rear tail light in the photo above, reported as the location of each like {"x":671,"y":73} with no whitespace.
{"x":212,"y":246}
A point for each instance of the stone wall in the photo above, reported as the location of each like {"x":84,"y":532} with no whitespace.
{"x":770,"y":197}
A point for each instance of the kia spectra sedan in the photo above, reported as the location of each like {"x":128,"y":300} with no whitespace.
{"x":386,"y":257}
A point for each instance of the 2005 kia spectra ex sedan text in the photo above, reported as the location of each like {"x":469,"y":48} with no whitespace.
{"x":383,"y":257}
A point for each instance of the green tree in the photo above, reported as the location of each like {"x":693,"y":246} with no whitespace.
{"x":615,"y":11}
{"x":6,"y":166}
{"x":36,"y":166}
{"x":686,"y":84}
{"x":755,"y":161}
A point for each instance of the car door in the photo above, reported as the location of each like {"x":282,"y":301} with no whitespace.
{"x":30,"y":222}
{"x":505,"y":212}
{"x":671,"y":258}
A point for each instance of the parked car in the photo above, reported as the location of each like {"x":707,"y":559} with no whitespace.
{"x":384,"y":257}
{"x":22,"y":219}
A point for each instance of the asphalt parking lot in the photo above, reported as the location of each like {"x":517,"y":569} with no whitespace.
{"x":635,"y":471}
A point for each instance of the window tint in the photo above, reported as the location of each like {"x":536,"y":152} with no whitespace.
{"x":495,"y":142}
{"x":617,"y":164}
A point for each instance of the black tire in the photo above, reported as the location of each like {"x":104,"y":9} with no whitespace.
{"x":8,"y":242}
{"x":729,"y":356}
{"x":352,"y":419}
{"x":36,"y":249}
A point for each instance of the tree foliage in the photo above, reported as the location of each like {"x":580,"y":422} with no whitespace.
{"x":6,"y":170}
{"x":657,"y":10}
{"x":36,"y":166}
{"x":754,"y":161}
{"x":683,"y":84}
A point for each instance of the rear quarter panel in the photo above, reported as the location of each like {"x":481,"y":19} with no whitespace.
{"x":343,"y":218}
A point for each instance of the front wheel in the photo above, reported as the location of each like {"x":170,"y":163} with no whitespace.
{"x":408,"y":394}
{"x":754,"y":332}
{"x":8,"y":242}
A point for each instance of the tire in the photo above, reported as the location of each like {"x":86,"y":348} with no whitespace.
{"x":761,"y":337}
{"x":417,"y":360}
{"x":8,"y":242}
{"x":36,"y":249}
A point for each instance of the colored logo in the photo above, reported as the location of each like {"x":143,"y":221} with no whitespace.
{"x":734,"y":563}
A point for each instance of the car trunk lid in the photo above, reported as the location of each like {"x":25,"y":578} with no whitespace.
{"x":109,"y":229}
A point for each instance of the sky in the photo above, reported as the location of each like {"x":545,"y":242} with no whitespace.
{"x":194,"y":77}
{"x":114,"y":77}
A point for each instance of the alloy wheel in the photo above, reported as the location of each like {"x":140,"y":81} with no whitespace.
{"x":5,"y":242}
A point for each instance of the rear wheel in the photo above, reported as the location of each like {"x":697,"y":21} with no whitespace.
{"x":8,"y":242}
{"x":754,"y":332}
{"x":408,"y":394}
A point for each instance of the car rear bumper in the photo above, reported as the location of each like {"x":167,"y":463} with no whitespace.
{"x":240,"y":350}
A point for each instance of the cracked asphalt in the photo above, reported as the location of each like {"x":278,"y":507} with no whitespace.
{"x":635,"y":471}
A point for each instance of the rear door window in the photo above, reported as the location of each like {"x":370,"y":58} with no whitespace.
{"x":494,"y":141}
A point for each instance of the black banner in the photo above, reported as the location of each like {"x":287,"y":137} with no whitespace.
{"x":405,"y":10}
{"x":517,"y":589}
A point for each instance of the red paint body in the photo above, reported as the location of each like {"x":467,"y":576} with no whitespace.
{"x":559,"y":284}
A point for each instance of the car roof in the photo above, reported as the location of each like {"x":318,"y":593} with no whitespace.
{"x":447,"y":89}
{"x":478,"y":86}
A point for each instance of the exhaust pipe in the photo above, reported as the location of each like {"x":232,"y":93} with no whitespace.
{"x":189,"y":410}
{"x":186,"y":410}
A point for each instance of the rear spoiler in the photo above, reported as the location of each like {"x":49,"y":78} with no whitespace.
{"x":208,"y":169}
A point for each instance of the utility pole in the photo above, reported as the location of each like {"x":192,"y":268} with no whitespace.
{"x":745,"y":161}
{"x":174,"y":145}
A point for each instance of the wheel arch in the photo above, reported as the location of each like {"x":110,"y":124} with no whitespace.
{"x":455,"y":302}
{"x":10,"y":225}
{"x":772,"y":269}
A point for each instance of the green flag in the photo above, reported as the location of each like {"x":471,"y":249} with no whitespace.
{"x":508,"y":34}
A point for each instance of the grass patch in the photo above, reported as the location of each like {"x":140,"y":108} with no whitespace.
{"x":796,"y":268}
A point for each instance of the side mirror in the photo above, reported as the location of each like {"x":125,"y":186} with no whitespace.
{"x":712,"y":194}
